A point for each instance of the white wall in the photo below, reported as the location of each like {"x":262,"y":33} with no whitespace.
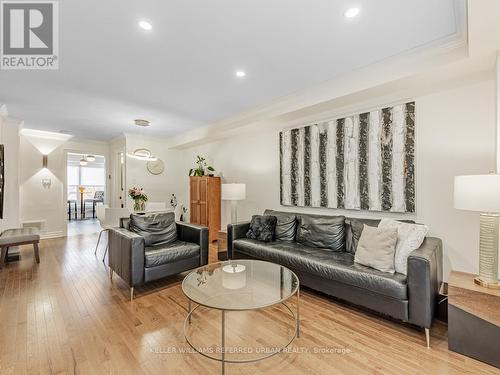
{"x":38,"y":203}
{"x":455,"y":134}
{"x":159,"y":188}
{"x":9,"y":137}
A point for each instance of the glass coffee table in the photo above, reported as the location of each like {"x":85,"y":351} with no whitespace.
{"x":240,"y":285}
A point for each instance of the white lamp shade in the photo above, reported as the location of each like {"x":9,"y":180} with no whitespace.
{"x":478,"y":193}
{"x":233,"y":192}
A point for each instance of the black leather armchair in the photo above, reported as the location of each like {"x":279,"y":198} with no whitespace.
{"x":410,"y":298}
{"x":137,"y":264}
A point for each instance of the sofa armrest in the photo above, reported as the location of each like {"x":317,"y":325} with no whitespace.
{"x":425,"y":274}
{"x":126,"y":255}
{"x":196,"y":234}
{"x":235,"y":231}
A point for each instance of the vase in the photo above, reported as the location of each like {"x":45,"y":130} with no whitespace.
{"x":139,"y":205}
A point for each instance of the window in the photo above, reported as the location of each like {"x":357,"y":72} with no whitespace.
{"x":92,"y":178}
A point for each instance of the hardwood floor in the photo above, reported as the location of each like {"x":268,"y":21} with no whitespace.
{"x":64,"y":316}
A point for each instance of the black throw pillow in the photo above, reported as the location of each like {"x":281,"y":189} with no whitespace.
{"x":262,"y":228}
{"x":353,"y":234}
{"x":157,"y":229}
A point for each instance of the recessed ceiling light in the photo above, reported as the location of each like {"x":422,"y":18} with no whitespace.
{"x":145,"y":25}
{"x":240,"y":74}
{"x":351,"y":12}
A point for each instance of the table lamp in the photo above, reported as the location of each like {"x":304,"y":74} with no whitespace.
{"x":481,"y":193}
{"x":233,"y":193}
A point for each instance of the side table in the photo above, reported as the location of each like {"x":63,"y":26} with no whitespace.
{"x":473,"y":319}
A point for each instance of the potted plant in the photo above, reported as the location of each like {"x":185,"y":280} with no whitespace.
{"x":139,"y":198}
{"x":201,"y":168}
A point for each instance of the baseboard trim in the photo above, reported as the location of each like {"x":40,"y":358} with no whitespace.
{"x":47,"y":235}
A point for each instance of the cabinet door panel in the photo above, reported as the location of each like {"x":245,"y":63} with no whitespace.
{"x":194,"y":187}
{"x":203,"y":191}
{"x":203,"y":214}
{"x":194,"y":197}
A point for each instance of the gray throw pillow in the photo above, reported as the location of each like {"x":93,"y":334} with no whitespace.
{"x":376,"y":248}
{"x":323,"y":232}
{"x":157,"y":229}
{"x":262,"y":228}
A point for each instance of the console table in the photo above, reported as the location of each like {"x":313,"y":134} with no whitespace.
{"x":473,"y":319}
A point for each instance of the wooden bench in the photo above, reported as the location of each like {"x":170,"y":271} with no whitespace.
{"x":17,"y":237}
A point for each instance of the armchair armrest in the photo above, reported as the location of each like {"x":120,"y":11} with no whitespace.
{"x":196,"y":234}
{"x":126,"y":255}
{"x":235,"y":231}
{"x":425,"y":274}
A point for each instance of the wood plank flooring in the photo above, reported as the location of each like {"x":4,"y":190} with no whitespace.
{"x":64,"y":316}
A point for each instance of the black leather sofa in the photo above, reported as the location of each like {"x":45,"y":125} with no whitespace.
{"x":138,"y":264}
{"x":411,"y":298}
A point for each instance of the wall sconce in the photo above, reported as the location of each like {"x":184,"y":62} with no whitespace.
{"x":45,"y":161}
{"x":46,"y":183}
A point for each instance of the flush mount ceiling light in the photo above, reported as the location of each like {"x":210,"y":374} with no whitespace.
{"x":141,"y":122}
{"x":145,"y":25}
{"x":351,"y":12}
{"x":142,"y":153}
{"x":90,"y":157}
{"x":240,"y":74}
{"x":83,"y":162}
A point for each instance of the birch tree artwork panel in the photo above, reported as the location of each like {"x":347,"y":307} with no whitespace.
{"x":361,"y":162}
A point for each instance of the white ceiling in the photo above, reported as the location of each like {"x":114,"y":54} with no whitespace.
{"x":181,"y":74}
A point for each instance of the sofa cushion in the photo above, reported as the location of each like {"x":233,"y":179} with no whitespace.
{"x":337,"y":266}
{"x":376,"y":248}
{"x":156,"y":229}
{"x":322,"y":232}
{"x":354,"y":228}
{"x":410,"y":238}
{"x":286,"y":225}
{"x":172,"y":252}
{"x":262,"y":228}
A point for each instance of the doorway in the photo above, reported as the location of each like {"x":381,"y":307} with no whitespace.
{"x":86,"y":189}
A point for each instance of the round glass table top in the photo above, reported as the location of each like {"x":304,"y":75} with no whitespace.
{"x":240,"y":285}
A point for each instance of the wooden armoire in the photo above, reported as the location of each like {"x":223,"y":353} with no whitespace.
{"x":205,"y":197}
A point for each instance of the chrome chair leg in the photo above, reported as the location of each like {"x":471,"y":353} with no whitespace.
{"x":98,"y":240}
{"x":105,"y":252}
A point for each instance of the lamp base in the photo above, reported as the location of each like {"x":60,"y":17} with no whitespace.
{"x":234,"y":212}
{"x":488,"y":251}
{"x":487,"y":284}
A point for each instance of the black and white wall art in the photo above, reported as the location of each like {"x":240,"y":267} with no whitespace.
{"x":361,"y":162}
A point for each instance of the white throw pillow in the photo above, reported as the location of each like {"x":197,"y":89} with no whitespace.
{"x":376,"y":248}
{"x":410,"y":238}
